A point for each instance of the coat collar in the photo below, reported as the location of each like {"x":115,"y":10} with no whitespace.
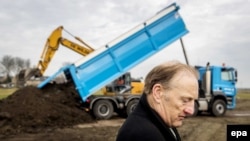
{"x":155,"y":118}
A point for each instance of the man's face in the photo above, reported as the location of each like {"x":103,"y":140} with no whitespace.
{"x":178,"y":102}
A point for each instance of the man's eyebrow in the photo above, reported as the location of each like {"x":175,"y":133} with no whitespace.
{"x":188,"y":97}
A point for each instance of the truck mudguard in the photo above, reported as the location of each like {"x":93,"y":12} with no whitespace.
{"x":99,"y":68}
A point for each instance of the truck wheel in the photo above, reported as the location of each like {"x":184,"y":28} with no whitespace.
{"x":219,"y":108}
{"x":131,"y":106}
{"x":103,"y":109}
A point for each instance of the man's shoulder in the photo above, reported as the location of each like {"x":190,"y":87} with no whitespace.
{"x":140,"y":128}
{"x":139,"y":121}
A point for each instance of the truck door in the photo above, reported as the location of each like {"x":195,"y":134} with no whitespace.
{"x":225,"y":82}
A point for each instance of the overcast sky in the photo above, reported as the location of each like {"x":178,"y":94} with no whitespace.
{"x":219,"y":30}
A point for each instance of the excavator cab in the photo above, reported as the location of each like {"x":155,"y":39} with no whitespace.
{"x":125,"y":84}
{"x":120,"y":85}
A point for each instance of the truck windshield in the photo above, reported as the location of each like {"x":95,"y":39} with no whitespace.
{"x":227,"y":75}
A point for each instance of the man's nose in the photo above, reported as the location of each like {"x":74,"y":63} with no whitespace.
{"x":189,"y":110}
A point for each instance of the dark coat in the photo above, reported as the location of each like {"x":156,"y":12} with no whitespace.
{"x":144,"y":124}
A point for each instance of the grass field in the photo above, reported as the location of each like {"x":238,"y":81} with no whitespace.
{"x":243,"y":95}
{"x":6,"y":92}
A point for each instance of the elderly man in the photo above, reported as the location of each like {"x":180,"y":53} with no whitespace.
{"x":169,"y":94}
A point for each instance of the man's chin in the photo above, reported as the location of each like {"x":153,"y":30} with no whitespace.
{"x":177,"y":124}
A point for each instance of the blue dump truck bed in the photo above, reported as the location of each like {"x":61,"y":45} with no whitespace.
{"x":118,"y":56}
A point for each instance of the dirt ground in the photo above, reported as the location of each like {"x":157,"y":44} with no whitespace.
{"x":55,"y":113}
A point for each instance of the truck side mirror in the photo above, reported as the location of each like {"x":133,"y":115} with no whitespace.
{"x":236,"y":75}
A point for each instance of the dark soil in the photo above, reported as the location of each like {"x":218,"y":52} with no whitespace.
{"x":32,"y":110}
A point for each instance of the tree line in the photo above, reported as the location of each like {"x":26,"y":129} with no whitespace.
{"x":11,"y":66}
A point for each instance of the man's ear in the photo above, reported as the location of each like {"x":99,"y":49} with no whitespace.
{"x":157,"y":92}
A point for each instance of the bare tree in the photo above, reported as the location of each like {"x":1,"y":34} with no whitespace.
{"x":20,"y":64}
{"x":8,"y":62}
{"x":27,"y":63}
{"x":3,"y":73}
{"x":14,"y":64}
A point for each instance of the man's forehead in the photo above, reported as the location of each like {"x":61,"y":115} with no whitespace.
{"x":181,"y":74}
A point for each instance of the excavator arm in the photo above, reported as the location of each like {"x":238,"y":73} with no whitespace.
{"x":53,"y":43}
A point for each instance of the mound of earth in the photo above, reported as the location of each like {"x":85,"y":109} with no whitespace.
{"x":31,"y":110}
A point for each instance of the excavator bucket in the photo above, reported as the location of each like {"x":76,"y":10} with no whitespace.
{"x":26,"y":74}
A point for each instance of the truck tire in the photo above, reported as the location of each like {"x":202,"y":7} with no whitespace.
{"x":103,"y":109}
{"x":219,"y":108}
{"x":131,"y":106}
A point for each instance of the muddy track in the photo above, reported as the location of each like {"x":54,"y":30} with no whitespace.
{"x":209,"y":128}
{"x":194,"y":129}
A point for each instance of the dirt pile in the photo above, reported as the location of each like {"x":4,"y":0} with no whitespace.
{"x":34,"y":110}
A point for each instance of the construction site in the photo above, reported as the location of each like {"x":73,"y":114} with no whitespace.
{"x":91,"y":98}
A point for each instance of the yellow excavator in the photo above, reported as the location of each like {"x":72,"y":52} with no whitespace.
{"x":52,"y":44}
